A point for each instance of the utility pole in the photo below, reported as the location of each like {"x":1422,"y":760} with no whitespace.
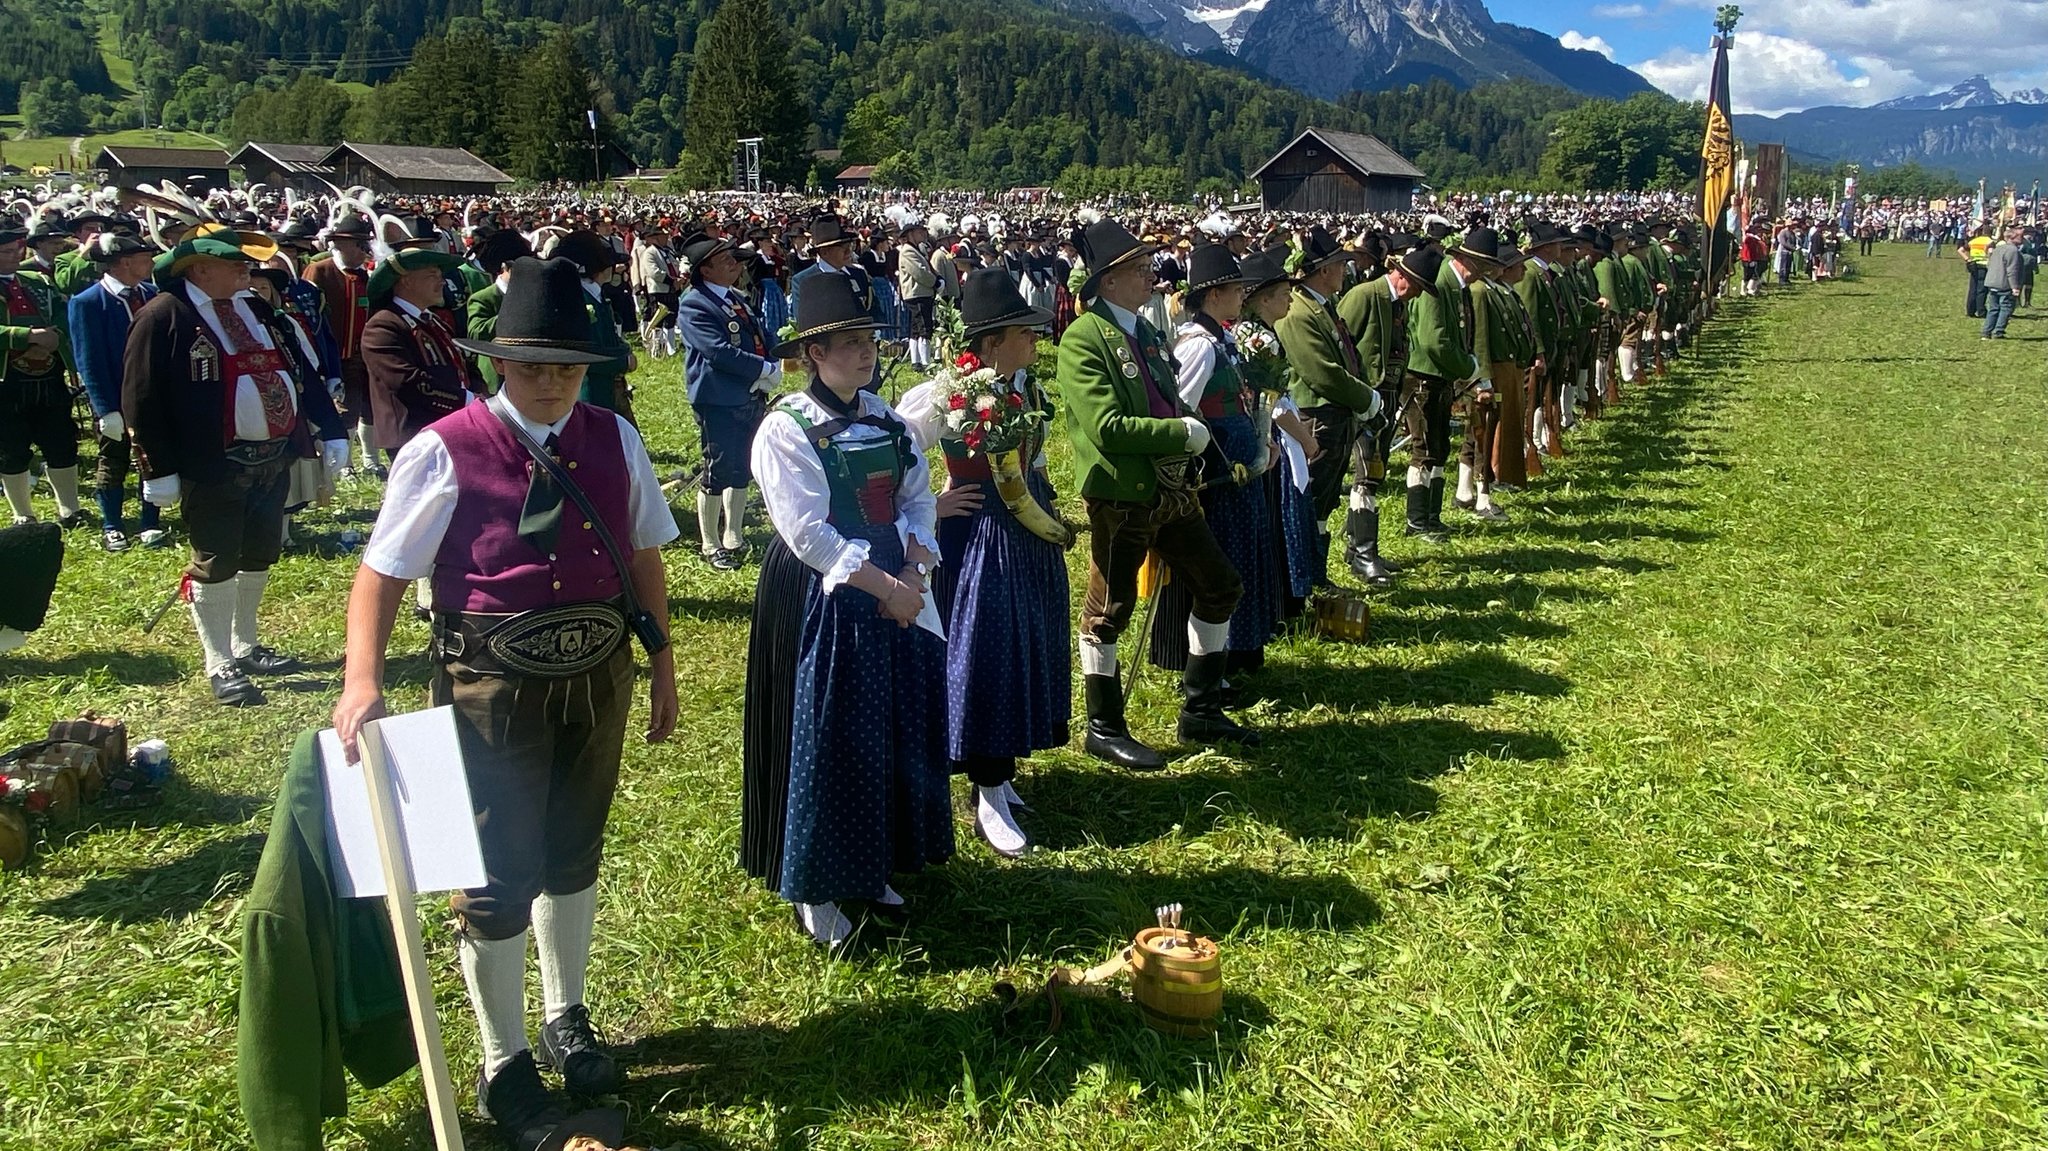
{"x":596,"y":164}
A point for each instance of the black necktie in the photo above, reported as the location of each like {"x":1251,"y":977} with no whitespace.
{"x":540,"y":518}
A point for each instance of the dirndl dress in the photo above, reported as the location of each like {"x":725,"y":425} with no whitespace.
{"x":867,"y":790}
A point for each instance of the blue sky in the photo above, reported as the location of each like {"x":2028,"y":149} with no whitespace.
{"x":1792,"y":54}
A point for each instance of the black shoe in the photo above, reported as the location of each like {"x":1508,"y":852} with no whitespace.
{"x":72,"y":522}
{"x":233,"y":689}
{"x":740,"y":555}
{"x":1201,"y":717}
{"x":532,"y":1118}
{"x":570,"y":1045}
{"x":114,"y":540}
{"x":1107,"y":738}
{"x":723,"y":560}
{"x":263,"y":660}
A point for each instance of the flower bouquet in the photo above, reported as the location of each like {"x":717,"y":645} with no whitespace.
{"x":990,"y":419}
{"x":1265,"y":373}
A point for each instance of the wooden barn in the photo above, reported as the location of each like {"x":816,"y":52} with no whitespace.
{"x":195,"y":169}
{"x":1328,"y":171}
{"x":300,"y":167}
{"x":404,"y":170}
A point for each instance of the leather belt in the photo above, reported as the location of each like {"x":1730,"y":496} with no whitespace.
{"x":559,"y":642}
{"x":256,"y":453}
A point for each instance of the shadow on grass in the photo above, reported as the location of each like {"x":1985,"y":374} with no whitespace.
{"x":167,"y":890}
{"x":1469,"y":679}
{"x":979,"y":1058}
{"x":126,"y":666}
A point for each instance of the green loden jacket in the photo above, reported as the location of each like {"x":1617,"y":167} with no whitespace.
{"x":75,"y":272}
{"x":1368,"y":310}
{"x":480,"y":321}
{"x":1436,"y":341}
{"x":1540,"y":300}
{"x":320,"y":985}
{"x":1109,"y":417}
{"x":1326,"y":368}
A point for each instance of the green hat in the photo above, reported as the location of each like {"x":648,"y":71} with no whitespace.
{"x":384,"y":280}
{"x":213,"y":245}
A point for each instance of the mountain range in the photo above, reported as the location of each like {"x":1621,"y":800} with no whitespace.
{"x":1998,"y":142}
{"x":1975,"y":92}
{"x":1330,"y":47}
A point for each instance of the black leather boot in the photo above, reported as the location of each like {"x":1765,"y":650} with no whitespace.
{"x":1419,"y":514}
{"x":1201,"y":716}
{"x":1436,"y":508}
{"x":1362,"y":525}
{"x":1108,"y":739}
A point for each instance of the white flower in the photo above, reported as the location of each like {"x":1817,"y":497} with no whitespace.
{"x":985,"y":404}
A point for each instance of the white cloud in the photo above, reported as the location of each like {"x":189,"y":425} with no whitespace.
{"x":1772,"y":74}
{"x":1571,"y":39}
{"x":1799,"y":53}
{"x":1620,"y":11}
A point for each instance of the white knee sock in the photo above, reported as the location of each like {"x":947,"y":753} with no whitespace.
{"x":64,"y":482}
{"x":707,"y":521}
{"x":735,"y":501}
{"x":19,"y":487}
{"x":1417,"y":477}
{"x":1464,"y":482}
{"x":366,"y":438}
{"x":562,"y":926}
{"x":1207,"y":638}
{"x":213,"y":617}
{"x":1097,"y":658}
{"x":423,"y":593}
{"x":1626,"y":357}
{"x":248,"y":597}
{"x":495,"y":972}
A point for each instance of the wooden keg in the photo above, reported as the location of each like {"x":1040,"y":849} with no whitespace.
{"x":15,"y":840}
{"x":1178,"y":988}
{"x":46,"y":790}
{"x":84,"y":760}
{"x":1343,"y":616}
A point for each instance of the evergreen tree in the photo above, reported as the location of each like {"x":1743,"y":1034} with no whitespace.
{"x":547,"y":136}
{"x":742,"y":85}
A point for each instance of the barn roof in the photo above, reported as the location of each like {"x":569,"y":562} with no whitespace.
{"x":403,"y":162}
{"x":1368,"y":154}
{"x":127,"y":156}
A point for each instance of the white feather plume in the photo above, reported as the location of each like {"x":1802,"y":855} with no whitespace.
{"x":902,"y":215}
{"x":1088,"y":215}
{"x":940,"y":223}
{"x":1217,"y":225}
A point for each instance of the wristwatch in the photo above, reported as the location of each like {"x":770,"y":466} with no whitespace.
{"x":924,"y":570}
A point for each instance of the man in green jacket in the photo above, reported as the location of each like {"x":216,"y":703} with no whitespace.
{"x":1610,"y":283}
{"x":1330,"y":383}
{"x":35,"y":355}
{"x":1377,"y":311}
{"x":494,"y":253}
{"x":1440,"y":359}
{"x":1132,"y":440}
{"x":1553,"y":315}
{"x":1639,"y":312}
{"x":605,"y":384}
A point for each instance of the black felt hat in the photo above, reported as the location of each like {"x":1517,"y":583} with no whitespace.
{"x":1423,"y":266}
{"x":500,"y":248}
{"x":1212,"y":266}
{"x":1264,"y":268}
{"x":585,"y":249}
{"x":298,"y":232}
{"x":352,"y":227}
{"x":699,"y":247}
{"x":1105,"y":245}
{"x":989,"y":299}
{"x":1481,"y":244}
{"x":1319,"y":249}
{"x":544,"y":318}
{"x":107,"y":247}
{"x":827,"y":304}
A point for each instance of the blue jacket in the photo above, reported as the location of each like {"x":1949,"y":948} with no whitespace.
{"x":720,"y":363}
{"x":99,"y":339}
{"x":303,"y":298}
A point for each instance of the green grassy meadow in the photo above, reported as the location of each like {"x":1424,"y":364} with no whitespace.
{"x":1700,"y":806}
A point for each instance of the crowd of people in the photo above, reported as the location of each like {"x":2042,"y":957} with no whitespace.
{"x":1225,"y":384}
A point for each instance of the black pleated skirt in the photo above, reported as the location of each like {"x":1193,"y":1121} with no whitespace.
{"x":772,"y":651}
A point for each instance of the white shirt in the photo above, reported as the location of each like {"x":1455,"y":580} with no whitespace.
{"x":1195,"y":352}
{"x":799,"y":497}
{"x":250,"y":423}
{"x":419,"y":499}
{"x":1127,"y":320}
{"x":114,"y":287}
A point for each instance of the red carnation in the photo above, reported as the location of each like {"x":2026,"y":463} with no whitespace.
{"x":972,"y":439}
{"x":968,"y":362}
{"x":957,"y":403}
{"x":1016,"y":401}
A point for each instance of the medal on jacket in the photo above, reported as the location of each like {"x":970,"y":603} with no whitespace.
{"x":1123,"y":352}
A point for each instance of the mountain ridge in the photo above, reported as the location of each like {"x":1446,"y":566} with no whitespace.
{"x":1327,"y":48}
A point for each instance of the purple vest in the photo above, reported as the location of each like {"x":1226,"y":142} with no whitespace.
{"x":483,"y":564}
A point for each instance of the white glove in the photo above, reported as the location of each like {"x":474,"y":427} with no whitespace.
{"x":113,"y":427}
{"x":1198,"y":435}
{"x":334,"y":456}
{"x":162,"y":491}
{"x":771,"y":375}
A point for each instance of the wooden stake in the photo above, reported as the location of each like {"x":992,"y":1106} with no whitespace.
{"x":412,"y":949}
